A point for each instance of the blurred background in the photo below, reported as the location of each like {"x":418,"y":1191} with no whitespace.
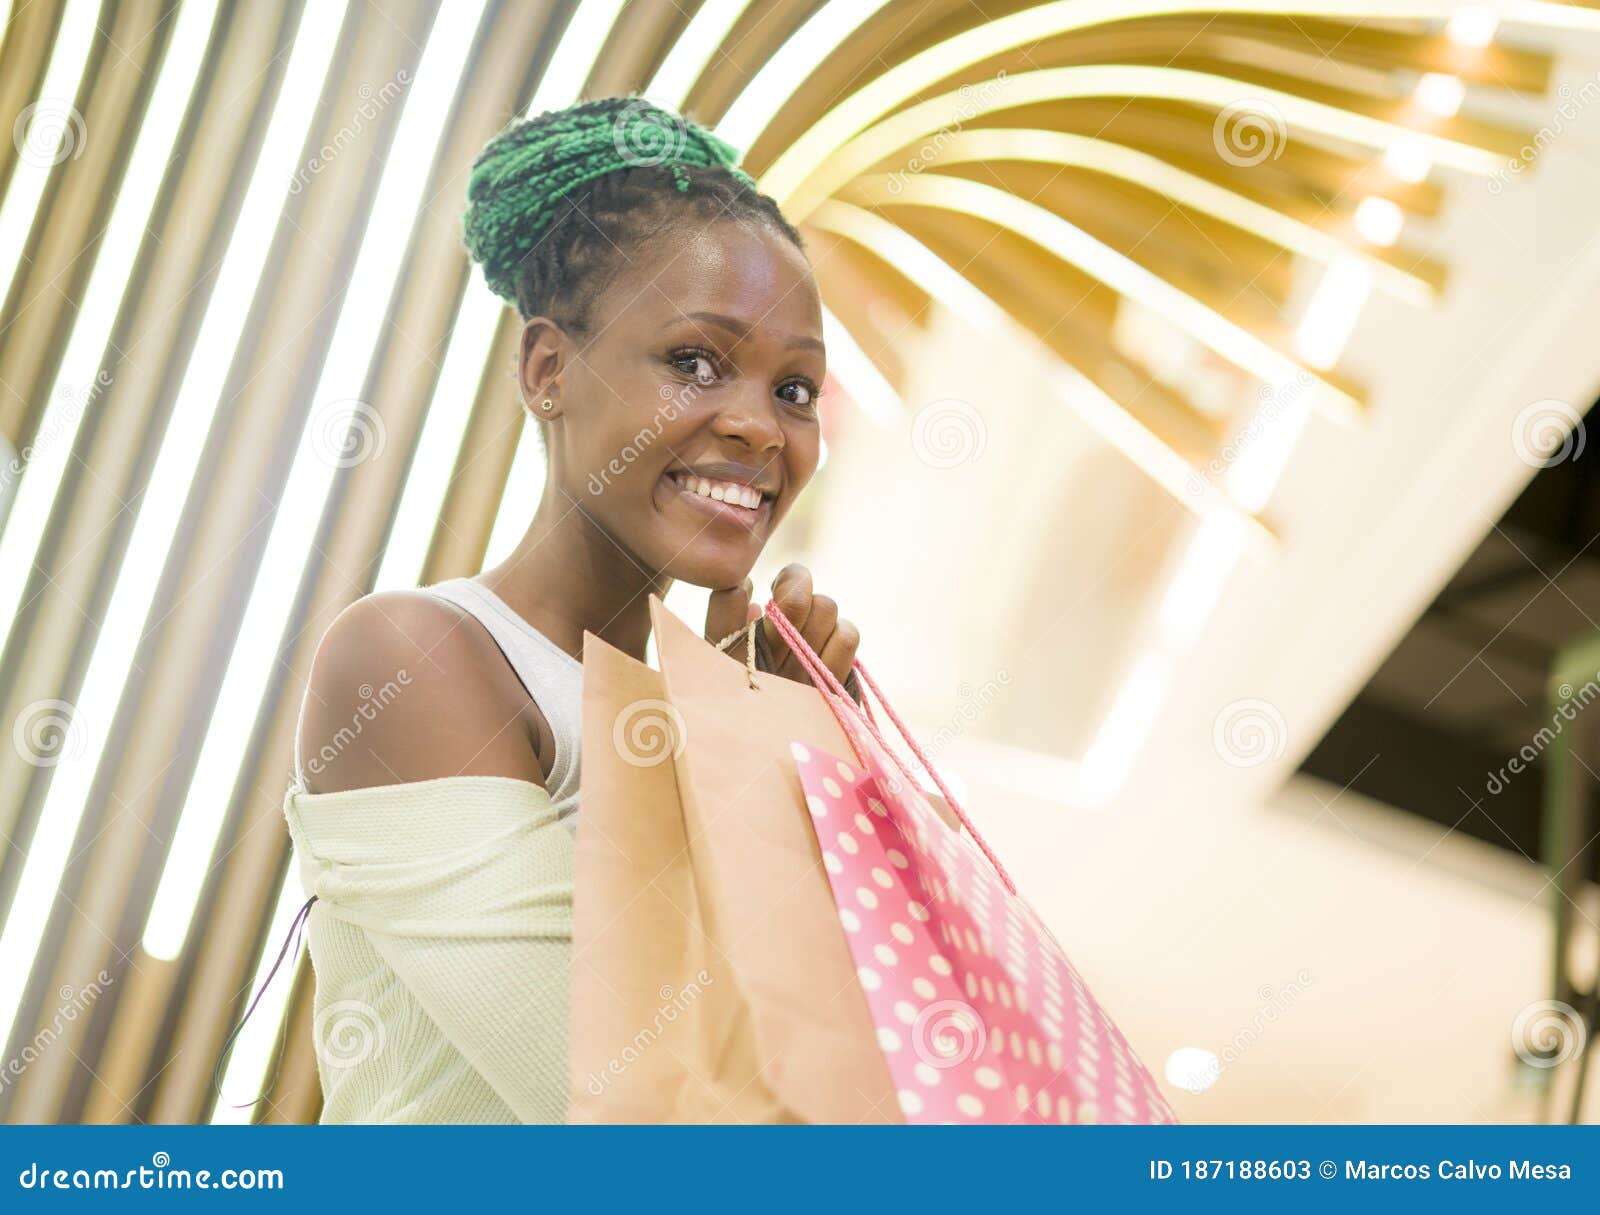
{"x":1207,"y":472}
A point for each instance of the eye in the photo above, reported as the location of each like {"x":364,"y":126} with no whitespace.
{"x":699,"y":365}
{"x":803,"y":394}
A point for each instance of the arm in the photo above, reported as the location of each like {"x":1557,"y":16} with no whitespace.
{"x":463,"y":885}
{"x":406,"y":687}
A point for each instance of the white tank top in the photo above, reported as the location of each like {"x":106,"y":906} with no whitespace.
{"x":553,"y":677}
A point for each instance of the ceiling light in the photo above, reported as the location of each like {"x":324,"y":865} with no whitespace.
{"x":49,"y":131}
{"x":355,"y":431}
{"x":1472,"y":25}
{"x":1440,"y":94}
{"x":1123,"y":730}
{"x":1331,"y":315}
{"x":1203,"y":570}
{"x":50,"y":851}
{"x":1193,"y":1068}
{"x":1379,"y":220}
{"x":1408,"y":160}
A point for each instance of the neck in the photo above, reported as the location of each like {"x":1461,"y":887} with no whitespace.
{"x":568,"y":577}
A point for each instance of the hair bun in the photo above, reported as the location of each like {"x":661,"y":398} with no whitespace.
{"x":524,"y":172}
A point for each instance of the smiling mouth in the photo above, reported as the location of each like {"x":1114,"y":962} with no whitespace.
{"x":727,"y":501}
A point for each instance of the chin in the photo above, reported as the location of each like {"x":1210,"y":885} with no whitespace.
{"x":711,"y":568}
{"x":708,"y":544}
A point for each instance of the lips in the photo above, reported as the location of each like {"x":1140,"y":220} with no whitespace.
{"x":721,"y":500}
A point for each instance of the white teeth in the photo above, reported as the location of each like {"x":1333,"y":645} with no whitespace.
{"x":723,"y":491}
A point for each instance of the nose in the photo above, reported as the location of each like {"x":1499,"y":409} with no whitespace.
{"x":750,"y":419}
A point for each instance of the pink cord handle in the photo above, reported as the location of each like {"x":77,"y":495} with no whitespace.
{"x":827,"y":682}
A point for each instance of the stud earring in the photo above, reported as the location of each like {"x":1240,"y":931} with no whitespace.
{"x":546,"y":405}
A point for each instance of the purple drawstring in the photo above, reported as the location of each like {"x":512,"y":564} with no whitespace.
{"x":295,"y":927}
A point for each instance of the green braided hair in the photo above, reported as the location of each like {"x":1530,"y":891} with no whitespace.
{"x":557,"y":201}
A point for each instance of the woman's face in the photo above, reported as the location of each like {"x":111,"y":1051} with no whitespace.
{"x":687,"y":420}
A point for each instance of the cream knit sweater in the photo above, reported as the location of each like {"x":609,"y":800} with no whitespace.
{"x":441,"y":939}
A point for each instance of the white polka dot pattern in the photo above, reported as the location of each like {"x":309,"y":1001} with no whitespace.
{"x":980,"y":1016}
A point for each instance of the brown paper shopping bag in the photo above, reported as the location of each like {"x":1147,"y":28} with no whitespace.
{"x":711,"y":980}
{"x":650,"y":995}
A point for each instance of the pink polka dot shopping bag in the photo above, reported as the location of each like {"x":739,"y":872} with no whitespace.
{"x":979,"y":1014}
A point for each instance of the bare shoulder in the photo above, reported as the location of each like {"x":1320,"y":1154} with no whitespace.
{"x":406,"y":687}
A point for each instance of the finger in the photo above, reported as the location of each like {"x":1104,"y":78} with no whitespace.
{"x":820,"y":623}
{"x":840,"y":651}
{"x":791,"y":591}
{"x":819,"y":627}
{"x":727,"y":610}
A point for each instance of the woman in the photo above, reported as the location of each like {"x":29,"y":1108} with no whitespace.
{"x":672,"y":357}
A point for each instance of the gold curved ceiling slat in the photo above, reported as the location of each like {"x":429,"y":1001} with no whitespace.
{"x":1043,"y":23}
{"x":1308,"y":50}
{"x":985,"y":254}
{"x":856,"y":284}
{"x":1350,"y":53}
{"x":903,"y":295}
{"x":758,"y":34}
{"x":1223,"y":265}
{"x":1022,"y":279}
{"x":1315,"y":185}
{"x":1244,"y":349}
{"x":635,"y":46}
{"x":1405,"y":274}
{"x":1315,"y":43}
{"x":1124,"y":428}
{"x":801,"y":187}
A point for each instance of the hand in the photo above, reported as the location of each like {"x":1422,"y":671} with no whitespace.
{"x":815,"y":616}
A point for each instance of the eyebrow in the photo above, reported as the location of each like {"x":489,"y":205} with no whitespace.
{"x":734,"y":325}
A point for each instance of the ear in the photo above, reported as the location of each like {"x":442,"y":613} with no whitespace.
{"x":540,"y":362}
